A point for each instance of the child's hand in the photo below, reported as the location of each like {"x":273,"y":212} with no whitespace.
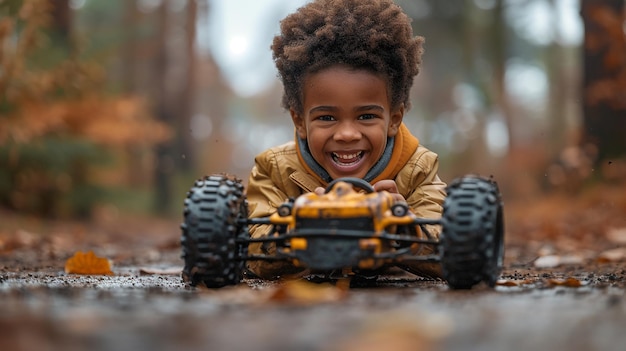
{"x":387,"y":184}
{"x":391,"y":187}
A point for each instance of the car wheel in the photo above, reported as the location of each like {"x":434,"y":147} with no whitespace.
{"x":472,"y":236}
{"x":212,"y":231}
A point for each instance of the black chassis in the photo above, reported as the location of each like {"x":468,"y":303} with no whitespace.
{"x":333,"y":248}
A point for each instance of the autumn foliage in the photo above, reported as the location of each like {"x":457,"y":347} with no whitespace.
{"x":57,"y":124}
{"x":88,"y":263}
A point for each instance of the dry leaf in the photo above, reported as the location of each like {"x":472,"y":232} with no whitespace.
{"x":160,"y":271}
{"x":509,"y":282}
{"x":21,"y":239}
{"x":613,"y":255}
{"x":304,"y":292}
{"x":88,"y":263}
{"x":568,"y":282}
{"x":616,"y":235}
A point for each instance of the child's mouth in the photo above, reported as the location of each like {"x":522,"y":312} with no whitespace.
{"x":347,"y":160}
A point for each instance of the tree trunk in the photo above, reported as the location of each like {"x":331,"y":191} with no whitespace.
{"x":164,"y":166}
{"x":499,"y":65}
{"x":604,"y":77}
{"x":186,"y":100}
{"x":61,"y":18}
{"x":130,"y":53}
{"x":555,"y":57}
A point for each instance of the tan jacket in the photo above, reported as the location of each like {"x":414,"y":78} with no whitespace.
{"x":279,"y":174}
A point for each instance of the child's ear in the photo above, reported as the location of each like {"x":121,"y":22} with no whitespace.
{"x":298,"y":122}
{"x":395,"y":121}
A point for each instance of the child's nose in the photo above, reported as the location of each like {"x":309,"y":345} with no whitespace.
{"x":347,"y":132}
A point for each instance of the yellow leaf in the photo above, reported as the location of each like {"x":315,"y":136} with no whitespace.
{"x":87,"y":263}
{"x":302,"y":292}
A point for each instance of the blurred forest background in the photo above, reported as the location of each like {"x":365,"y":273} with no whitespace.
{"x":117,"y":106}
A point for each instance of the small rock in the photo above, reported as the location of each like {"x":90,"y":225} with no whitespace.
{"x":548,"y":261}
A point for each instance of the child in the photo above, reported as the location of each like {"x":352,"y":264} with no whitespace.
{"x":347,"y":67}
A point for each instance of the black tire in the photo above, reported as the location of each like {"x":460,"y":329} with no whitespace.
{"x":472,"y":237}
{"x":214,"y":218}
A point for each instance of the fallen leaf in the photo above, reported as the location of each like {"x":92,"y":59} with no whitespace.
{"x":567,"y":282}
{"x":510,"y":282}
{"x":304,"y":292}
{"x":87,"y":263}
{"x":617,"y":235}
{"x":612,"y":255}
{"x":160,"y":271}
{"x":21,"y":239}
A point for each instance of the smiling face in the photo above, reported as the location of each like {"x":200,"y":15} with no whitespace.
{"x":346,"y":119}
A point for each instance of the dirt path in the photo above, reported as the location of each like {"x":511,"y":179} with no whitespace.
{"x":563,"y":288}
{"x":147,"y":307}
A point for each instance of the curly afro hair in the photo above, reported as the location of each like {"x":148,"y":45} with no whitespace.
{"x":373,"y":35}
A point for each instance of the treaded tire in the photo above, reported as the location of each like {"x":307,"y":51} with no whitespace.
{"x":472,"y":237}
{"x":214,"y":218}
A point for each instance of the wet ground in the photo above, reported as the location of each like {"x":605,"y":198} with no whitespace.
{"x":149,"y":308}
{"x":573,"y":300}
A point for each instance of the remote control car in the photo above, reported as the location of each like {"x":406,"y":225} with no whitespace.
{"x":350,"y":229}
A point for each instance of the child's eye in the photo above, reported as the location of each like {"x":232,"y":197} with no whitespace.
{"x":326,"y":118}
{"x":367,"y":116}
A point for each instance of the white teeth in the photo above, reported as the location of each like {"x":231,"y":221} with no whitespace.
{"x":347,"y":157}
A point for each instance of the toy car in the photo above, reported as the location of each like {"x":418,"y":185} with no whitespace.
{"x":350,"y":228}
